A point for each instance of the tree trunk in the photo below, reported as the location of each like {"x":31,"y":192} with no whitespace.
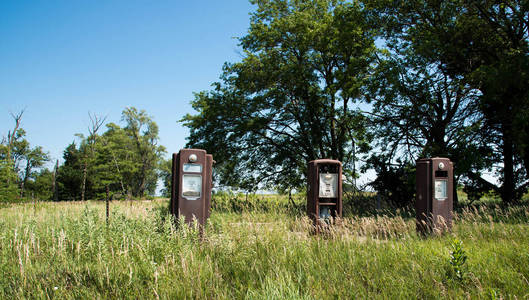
{"x":83,"y":184}
{"x":525,"y":151}
{"x":11,"y":140}
{"x":526,"y":162}
{"x":22,"y":189}
{"x":291,"y":200}
{"x":54,"y":187}
{"x":141,"y":188}
{"x":96,"y":123}
{"x":334,"y":146}
{"x":507,"y":190}
{"x":25,"y":180}
{"x":456,"y":198}
{"x":107,"y":204}
{"x":119,"y":172}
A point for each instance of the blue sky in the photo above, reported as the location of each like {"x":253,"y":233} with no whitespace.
{"x":60,"y":60}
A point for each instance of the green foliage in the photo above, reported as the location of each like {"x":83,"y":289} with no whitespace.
{"x":66,"y":250}
{"x":457,"y":260}
{"x":142,"y":133}
{"x":394,"y":183}
{"x":292,"y":98}
{"x":165,"y":172}
{"x":481,"y":47}
{"x":432,"y":89}
{"x":8,"y":187}
{"x":124,"y":159}
{"x":34,"y":159}
{"x":19,"y":163}
{"x":420,"y":107}
{"x":70,"y":174}
{"x":40,"y":187}
{"x":493,"y":294}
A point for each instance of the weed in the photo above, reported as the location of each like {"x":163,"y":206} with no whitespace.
{"x":457,"y":260}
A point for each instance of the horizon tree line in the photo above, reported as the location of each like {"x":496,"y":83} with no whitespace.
{"x":125,"y":159}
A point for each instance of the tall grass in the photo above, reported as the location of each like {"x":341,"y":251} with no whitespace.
{"x":66,"y":250}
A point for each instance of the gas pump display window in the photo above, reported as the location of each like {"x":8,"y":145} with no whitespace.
{"x":191,"y":186}
{"x":192,"y":168}
{"x":328,"y":185}
{"x":441,"y":189}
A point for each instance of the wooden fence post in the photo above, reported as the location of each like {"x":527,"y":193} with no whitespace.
{"x":108,"y":203}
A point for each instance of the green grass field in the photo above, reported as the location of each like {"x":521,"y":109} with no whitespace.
{"x":259,"y":249}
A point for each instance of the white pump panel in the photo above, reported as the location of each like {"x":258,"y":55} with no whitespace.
{"x":328,"y":185}
{"x":191,"y":186}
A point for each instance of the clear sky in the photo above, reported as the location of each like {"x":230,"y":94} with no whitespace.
{"x":60,"y":60}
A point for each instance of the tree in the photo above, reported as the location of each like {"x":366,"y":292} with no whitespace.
{"x":291,"y":99}
{"x":18,"y":159}
{"x":34,"y":158}
{"x":165,"y":172}
{"x":87,"y":147}
{"x":70,"y":175}
{"x":16,"y":146}
{"x":486,"y":44}
{"x":123,"y":159}
{"x":13,"y":136}
{"x":8,"y":188}
{"x":115,"y":164}
{"x":41,"y":186}
{"x":497,"y":64}
{"x":8,"y":175}
{"x":54,"y":183}
{"x":418,"y":110}
{"x":143,"y":133}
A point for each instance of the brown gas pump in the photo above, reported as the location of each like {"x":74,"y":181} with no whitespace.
{"x":435,"y":194}
{"x":191,"y":185}
{"x":324,"y":191}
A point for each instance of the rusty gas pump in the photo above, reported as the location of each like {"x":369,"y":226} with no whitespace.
{"x":435,"y":194}
{"x":192,"y":180}
{"x":324,"y":191}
